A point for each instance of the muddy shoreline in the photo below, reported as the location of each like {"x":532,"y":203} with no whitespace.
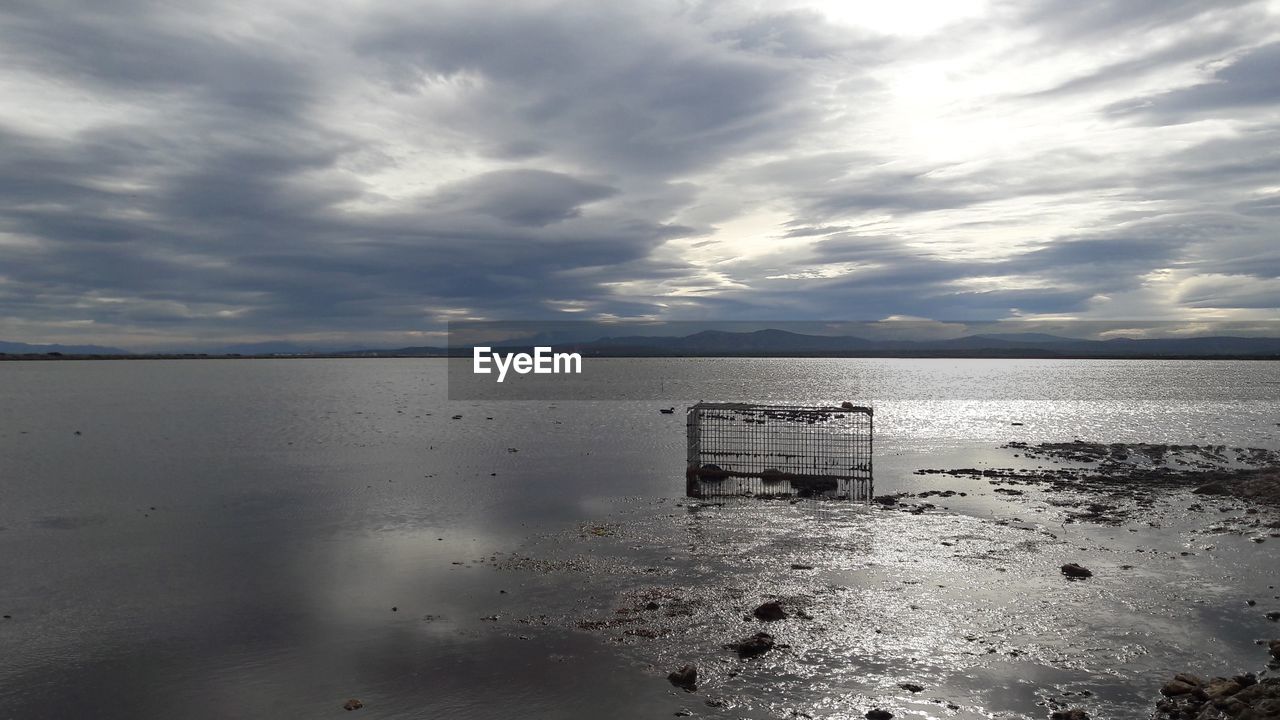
{"x":1122,"y":479}
{"x":745,"y":622}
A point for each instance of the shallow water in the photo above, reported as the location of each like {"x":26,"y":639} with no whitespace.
{"x":228,"y":538}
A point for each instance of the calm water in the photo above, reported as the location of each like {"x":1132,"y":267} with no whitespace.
{"x":212,"y":539}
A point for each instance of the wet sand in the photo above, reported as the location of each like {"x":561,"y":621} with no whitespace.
{"x":913,"y":606}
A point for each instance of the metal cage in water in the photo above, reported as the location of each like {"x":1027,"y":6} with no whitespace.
{"x":779,"y":451}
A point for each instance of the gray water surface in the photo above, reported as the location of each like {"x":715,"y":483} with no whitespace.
{"x":212,"y":539}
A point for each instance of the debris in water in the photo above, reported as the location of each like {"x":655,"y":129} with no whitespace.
{"x":1076,"y":570}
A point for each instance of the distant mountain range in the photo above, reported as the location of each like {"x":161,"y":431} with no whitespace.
{"x":782,"y":343}
{"x":775,"y":343}
{"x":282,"y":347}
{"x":17,"y":348}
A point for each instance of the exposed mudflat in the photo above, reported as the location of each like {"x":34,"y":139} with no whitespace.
{"x":1117,"y":482}
{"x":914,"y":606}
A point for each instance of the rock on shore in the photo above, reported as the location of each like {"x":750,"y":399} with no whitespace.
{"x":770,"y":612}
{"x":686,"y":677}
{"x":757,"y":644}
{"x":1188,"y":697}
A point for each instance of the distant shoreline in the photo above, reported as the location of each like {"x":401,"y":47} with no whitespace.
{"x":976,"y":355}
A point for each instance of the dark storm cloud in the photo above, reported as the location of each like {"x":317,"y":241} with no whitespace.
{"x":240,"y":226}
{"x":1220,"y":292}
{"x":139,"y":46}
{"x":1102,"y":258}
{"x":244,"y":234}
{"x":1265,"y":206}
{"x":908,"y":192}
{"x":1243,"y":160}
{"x":523,"y":196}
{"x":634,"y":90}
{"x":801,"y":34}
{"x":1250,"y":82}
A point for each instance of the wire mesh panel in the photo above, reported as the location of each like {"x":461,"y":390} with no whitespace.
{"x":772,"y":450}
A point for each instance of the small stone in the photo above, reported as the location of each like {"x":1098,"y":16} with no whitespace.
{"x":757,"y":644}
{"x":686,"y":677}
{"x":879,"y":714}
{"x":770,"y":612}
{"x":1072,"y":714}
{"x":801,"y":566}
{"x":911,"y":687}
{"x":1273,"y":616}
{"x":1076,"y":570}
{"x":352,"y":704}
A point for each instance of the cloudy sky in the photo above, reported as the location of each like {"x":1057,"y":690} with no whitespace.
{"x":360,"y":171}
